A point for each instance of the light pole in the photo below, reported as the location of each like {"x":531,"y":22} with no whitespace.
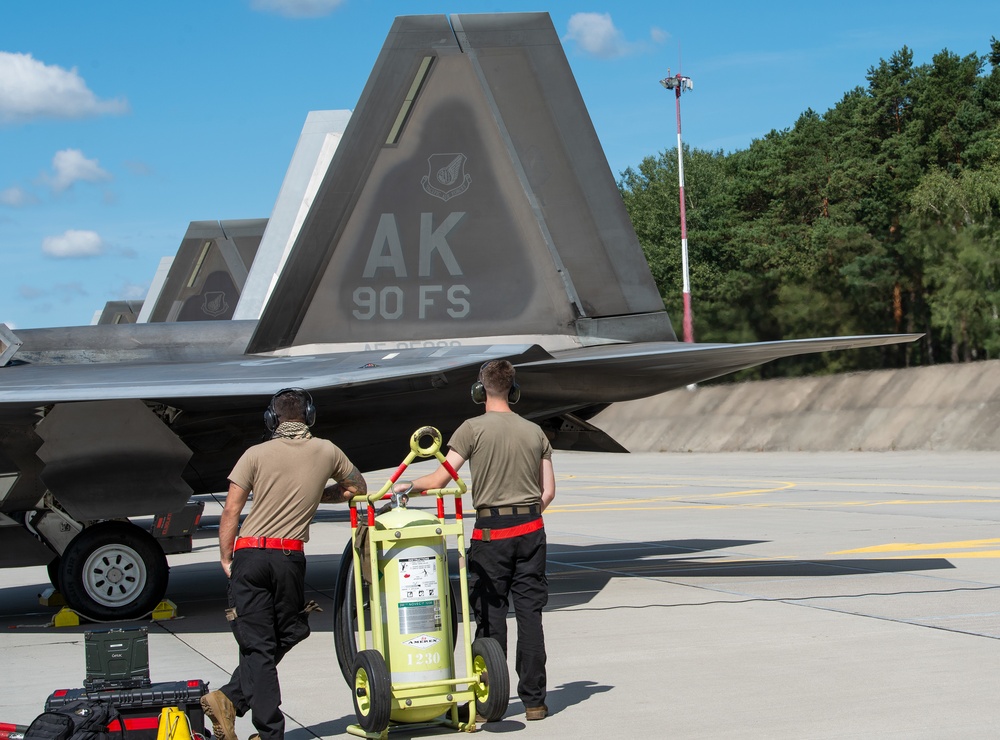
{"x":679,"y":84}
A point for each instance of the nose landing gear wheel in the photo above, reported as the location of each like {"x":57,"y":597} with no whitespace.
{"x":372,"y":691}
{"x":493,"y":688}
{"x":113,"y":570}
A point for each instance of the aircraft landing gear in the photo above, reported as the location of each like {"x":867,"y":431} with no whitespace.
{"x":113,"y":570}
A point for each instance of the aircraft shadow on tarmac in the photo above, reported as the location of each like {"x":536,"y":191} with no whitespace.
{"x":577,"y":574}
{"x":559,"y":698}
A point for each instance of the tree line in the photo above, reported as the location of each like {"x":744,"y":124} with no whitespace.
{"x":878,"y":216}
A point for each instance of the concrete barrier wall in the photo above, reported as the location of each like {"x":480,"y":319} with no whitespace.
{"x":944,"y":407}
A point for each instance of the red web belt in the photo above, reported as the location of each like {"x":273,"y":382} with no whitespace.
{"x":269,"y":543}
{"x":486,"y":534}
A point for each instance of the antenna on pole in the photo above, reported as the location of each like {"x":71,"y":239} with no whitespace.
{"x":679,"y":83}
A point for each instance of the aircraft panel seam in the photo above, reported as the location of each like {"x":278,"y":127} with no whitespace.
{"x":522,"y":176}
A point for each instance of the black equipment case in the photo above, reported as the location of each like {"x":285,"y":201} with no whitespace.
{"x":117,"y":658}
{"x":140,"y":707}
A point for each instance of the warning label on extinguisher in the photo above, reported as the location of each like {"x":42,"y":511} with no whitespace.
{"x":418,"y":579}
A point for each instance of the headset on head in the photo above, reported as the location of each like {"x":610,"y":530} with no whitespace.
{"x":479,"y":390}
{"x":271,"y":417}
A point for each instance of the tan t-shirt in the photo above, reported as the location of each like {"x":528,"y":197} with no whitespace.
{"x":505,"y":453}
{"x":287,"y":477}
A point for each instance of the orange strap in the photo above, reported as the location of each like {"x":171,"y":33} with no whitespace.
{"x":487,"y":535}
{"x":269,"y":543}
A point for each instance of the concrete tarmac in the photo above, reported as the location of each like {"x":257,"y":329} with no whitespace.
{"x":728,"y":595}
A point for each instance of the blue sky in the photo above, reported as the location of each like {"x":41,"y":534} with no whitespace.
{"x":120,"y":122}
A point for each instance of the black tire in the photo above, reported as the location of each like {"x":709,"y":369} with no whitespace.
{"x":113,"y":570}
{"x":493,"y":688}
{"x":372,"y":691}
{"x":345,"y":620}
{"x":53,"y":570}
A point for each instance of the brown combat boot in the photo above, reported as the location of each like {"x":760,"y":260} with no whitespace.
{"x":220,"y":710}
{"x":533,"y":713}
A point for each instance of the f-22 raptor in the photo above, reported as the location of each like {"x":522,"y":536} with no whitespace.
{"x":468,"y":213}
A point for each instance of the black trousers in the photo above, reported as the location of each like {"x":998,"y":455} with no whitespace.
{"x":512,"y":568}
{"x":267,"y":590}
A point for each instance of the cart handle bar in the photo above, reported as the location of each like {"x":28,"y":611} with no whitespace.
{"x":417,"y":450}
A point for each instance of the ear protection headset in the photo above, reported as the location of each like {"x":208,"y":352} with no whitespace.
{"x":479,"y":390}
{"x":271,"y":417}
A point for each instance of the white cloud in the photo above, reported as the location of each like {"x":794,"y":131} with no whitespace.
{"x":73,"y":243}
{"x":132,"y":292}
{"x":29,"y":292}
{"x":137,"y":167}
{"x":15,"y":197}
{"x":596,"y":35}
{"x":30,"y":89}
{"x":658,"y":35}
{"x":66,"y":292}
{"x":297,"y":8}
{"x":70,"y":166}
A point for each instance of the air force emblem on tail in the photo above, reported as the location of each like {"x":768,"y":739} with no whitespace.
{"x":215,"y":303}
{"x":446,"y":177}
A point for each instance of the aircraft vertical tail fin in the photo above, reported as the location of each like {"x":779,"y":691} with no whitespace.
{"x":469,"y":200}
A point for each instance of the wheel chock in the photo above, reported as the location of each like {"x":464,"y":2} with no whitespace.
{"x":66,"y":617}
{"x":166,"y":609}
{"x":51,"y":597}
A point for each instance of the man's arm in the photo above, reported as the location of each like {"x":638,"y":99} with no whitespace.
{"x":437,"y":479}
{"x":547,"y":481}
{"x":229,"y":523}
{"x":351,"y":485}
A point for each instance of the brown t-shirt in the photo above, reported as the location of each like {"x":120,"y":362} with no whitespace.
{"x":505,"y":454}
{"x":287,"y":477}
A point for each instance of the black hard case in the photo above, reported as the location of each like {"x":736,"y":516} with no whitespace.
{"x":140,"y":707}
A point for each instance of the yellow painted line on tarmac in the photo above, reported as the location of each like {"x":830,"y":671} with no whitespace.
{"x":932,"y":486}
{"x":783,"y":486}
{"x":625,"y":486}
{"x":678,"y":480}
{"x":948,"y":555}
{"x":907,"y":546}
{"x":913,"y":550}
{"x":670,"y":504}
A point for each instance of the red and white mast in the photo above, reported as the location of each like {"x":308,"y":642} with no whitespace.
{"x":678,"y":83}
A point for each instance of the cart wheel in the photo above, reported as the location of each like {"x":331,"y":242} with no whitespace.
{"x":493,"y":688}
{"x":345,"y":621}
{"x":372,"y":691}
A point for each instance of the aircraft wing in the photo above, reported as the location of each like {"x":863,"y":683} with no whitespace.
{"x":620,"y":372}
{"x":227,"y":383}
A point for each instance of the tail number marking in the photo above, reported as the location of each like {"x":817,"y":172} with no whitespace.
{"x":390,"y":301}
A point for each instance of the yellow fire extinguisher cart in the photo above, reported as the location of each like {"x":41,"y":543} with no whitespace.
{"x":403,"y":672}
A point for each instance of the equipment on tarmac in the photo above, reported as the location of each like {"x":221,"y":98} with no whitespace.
{"x":80,"y":719}
{"x":139,"y":709}
{"x":174,"y":725}
{"x":402,"y":670}
{"x":10,"y":731}
{"x":116,"y":658}
{"x":117,"y":676}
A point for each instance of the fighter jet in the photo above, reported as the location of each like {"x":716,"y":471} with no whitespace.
{"x":467,"y":214}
